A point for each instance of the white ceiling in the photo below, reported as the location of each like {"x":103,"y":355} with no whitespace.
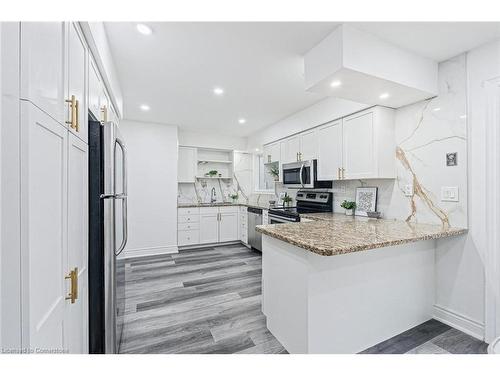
{"x":259,"y":65}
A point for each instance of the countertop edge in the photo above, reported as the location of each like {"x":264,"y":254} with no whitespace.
{"x":357,"y":248}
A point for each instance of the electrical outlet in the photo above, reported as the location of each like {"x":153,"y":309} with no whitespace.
{"x":408,"y":190}
{"x":449,"y":193}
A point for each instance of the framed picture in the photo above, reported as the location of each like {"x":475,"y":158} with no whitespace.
{"x":366,"y":200}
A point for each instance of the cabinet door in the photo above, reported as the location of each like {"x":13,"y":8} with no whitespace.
{"x":330,"y":151}
{"x":308,"y":145}
{"x":228,"y":227}
{"x":275,"y":152}
{"x":77,"y":54}
{"x":209,"y":228}
{"x":42,"y":66}
{"x":358,"y":156}
{"x":76,"y":328}
{"x":94,"y":91}
{"x":292,"y":149}
{"x":43,"y":227}
{"x":266,"y":153}
{"x":186,"y":170}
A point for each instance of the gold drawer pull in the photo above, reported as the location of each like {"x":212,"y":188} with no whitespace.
{"x":73,"y":276}
{"x":73,"y":107}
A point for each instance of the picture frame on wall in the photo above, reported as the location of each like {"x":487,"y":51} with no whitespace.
{"x":366,"y":200}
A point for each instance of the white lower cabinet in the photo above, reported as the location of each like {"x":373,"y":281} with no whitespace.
{"x":206,"y":225}
{"x":209,"y":225}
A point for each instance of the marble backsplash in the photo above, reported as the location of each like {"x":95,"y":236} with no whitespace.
{"x":425,"y":132}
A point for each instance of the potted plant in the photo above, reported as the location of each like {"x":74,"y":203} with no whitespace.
{"x":211,"y":173}
{"x":234,"y":197}
{"x":275,"y":172}
{"x":287,"y":200}
{"x":349,"y":207}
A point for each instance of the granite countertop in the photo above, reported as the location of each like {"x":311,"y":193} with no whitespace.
{"x":220,"y":204}
{"x":335,"y":234}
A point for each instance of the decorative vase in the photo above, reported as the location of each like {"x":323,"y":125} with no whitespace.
{"x":349,"y":212}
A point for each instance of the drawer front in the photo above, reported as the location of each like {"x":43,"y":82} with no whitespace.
{"x":188,"y":211}
{"x":188,"y":226}
{"x":209,"y":210}
{"x":228,"y":209}
{"x":243,"y":209}
{"x":189,"y":219}
{"x":243,"y":218}
{"x":188,"y":237}
{"x":244,"y":237}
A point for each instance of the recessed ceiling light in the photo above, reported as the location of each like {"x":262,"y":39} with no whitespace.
{"x":463,"y":117}
{"x":144,"y":29}
{"x":256,"y":150}
{"x":218,"y":91}
{"x":145,"y":107}
{"x":436,"y":109}
{"x":242,"y":120}
{"x":385,"y":95}
{"x":335,"y":83}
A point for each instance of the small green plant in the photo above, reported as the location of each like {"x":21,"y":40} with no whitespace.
{"x":274,"y":171}
{"x":287,"y":199}
{"x":233,"y":196}
{"x":348,"y":205}
{"x":211,"y":173}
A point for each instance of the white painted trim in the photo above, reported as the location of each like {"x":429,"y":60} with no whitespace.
{"x":148,"y":251}
{"x":203,"y":245}
{"x":492,"y":260}
{"x":460,"y":322}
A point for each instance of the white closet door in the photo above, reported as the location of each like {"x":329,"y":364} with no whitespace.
{"x":76,"y":320}
{"x":43,"y":238}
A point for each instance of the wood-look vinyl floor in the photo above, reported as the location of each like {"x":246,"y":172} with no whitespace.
{"x":208,"y":300}
{"x":205,"y":300}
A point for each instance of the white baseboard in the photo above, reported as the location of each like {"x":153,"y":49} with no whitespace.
{"x":214,"y":244}
{"x":148,"y":251}
{"x":460,"y":322}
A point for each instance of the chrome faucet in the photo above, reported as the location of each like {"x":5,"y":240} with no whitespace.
{"x":213,"y":198}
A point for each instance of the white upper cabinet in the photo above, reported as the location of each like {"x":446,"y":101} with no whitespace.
{"x":76,"y":102}
{"x":42,"y":66}
{"x":95,"y":88}
{"x":308,"y":145}
{"x":272,"y":153}
{"x":330,"y":151}
{"x":292,"y":149}
{"x":369,"y":149}
{"x":186,"y":167}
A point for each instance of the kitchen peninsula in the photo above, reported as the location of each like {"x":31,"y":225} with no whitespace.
{"x":341,"y":284}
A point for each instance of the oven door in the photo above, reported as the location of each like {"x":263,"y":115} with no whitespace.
{"x":298,"y":175}
{"x":276,"y":219}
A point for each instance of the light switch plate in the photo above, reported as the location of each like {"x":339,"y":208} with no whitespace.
{"x":449,"y":193}
{"x":408,"y":190}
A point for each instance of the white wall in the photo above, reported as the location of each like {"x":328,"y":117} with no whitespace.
{"x":152,"y":153}
{"x":212,"y":140}
{"x":322,"y":112}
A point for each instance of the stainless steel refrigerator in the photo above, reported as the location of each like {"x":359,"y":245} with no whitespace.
{"x":107,"y":236}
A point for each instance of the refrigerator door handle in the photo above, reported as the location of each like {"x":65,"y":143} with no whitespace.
{"x":123,"y":197}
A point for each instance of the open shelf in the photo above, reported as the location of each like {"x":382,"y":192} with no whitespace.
{"x":212,"y":178}
{"x":215,"y":161}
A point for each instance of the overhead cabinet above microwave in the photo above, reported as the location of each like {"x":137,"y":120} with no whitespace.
{"x":359,"y":146}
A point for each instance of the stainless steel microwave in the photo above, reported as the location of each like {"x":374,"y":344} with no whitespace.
{"x":303,"y":174}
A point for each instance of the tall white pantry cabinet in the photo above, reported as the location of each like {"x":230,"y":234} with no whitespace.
{"x":53,"y":63}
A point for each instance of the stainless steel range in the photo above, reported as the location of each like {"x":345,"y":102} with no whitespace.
{"x":308,"y":201}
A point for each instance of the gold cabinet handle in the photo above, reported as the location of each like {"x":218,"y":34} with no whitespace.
{"x":104,"y":112}
{"x":77,"y":111}
{"x":73,"y":107}
{"x":73,"y":276}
